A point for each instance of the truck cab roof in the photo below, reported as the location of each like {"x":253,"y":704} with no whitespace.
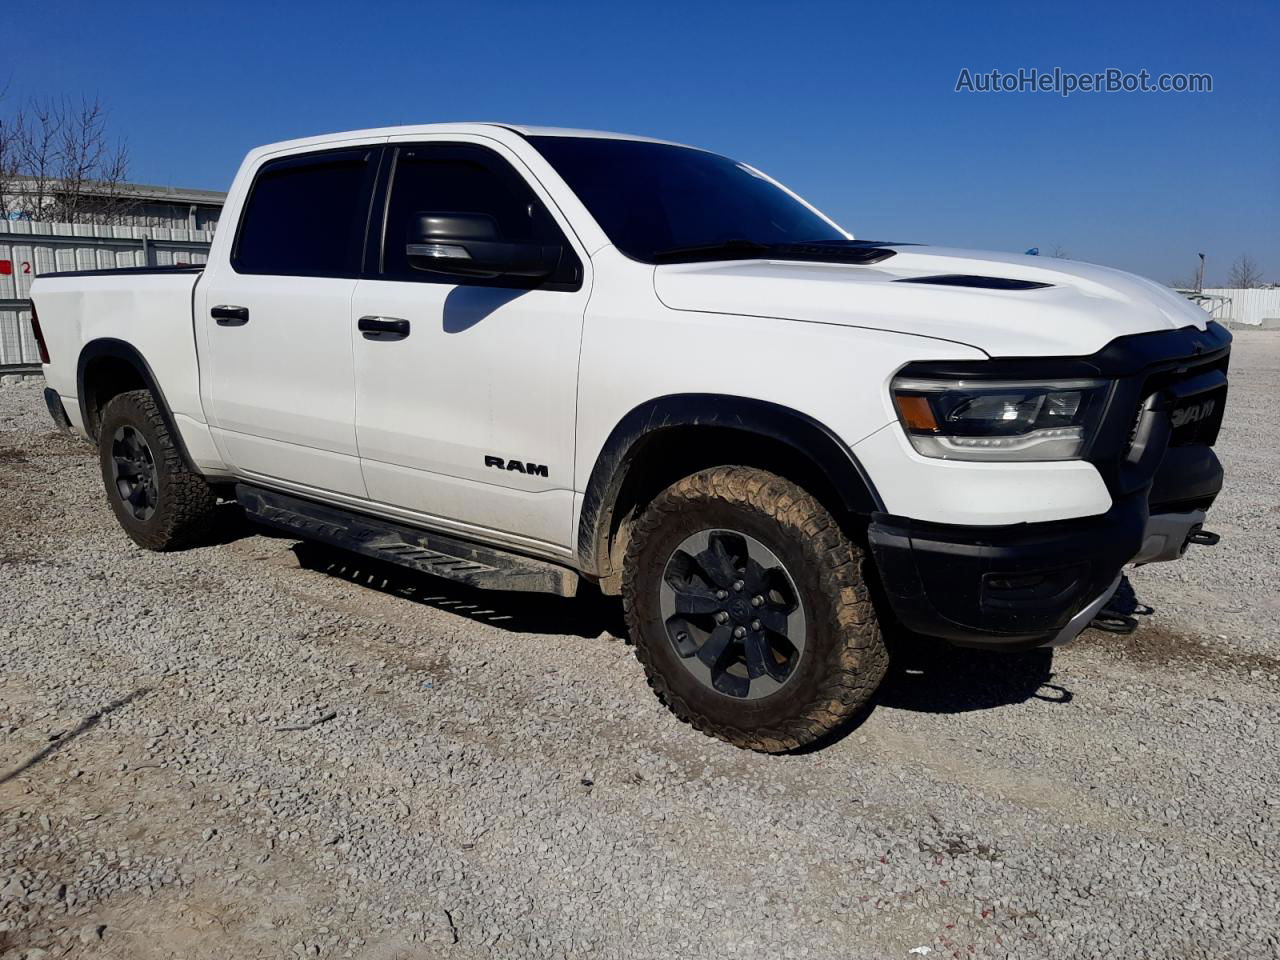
{"x":468,"y":127}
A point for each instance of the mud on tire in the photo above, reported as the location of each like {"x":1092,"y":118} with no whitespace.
{"x":843,"y":658}
{"x":176,"y":511}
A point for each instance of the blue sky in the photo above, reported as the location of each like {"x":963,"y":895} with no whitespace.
{"x":851,"y":104}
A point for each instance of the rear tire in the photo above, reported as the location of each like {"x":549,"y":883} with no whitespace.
{"x":160,"y":503}
{"x":787,"y":556}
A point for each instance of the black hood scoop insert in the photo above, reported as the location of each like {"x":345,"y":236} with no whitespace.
{"x":980,"y":283}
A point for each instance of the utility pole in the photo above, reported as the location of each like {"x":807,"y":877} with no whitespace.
{"x":1200,"y":275}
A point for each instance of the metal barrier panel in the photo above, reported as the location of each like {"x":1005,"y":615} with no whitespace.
{"x":30,"y":248}
{"x":17,"y":343}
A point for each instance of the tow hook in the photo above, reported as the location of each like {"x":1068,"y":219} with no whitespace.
{"x":1204,"y":538}
{"x":1117,"y":616}
{"x":1110,"y":622}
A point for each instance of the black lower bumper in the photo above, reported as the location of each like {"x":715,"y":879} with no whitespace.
{"x":1010,"y":586}
{"x":1021,"y":585}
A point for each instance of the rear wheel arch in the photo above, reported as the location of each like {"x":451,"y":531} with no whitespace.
{"x":109,"y":367}
{"x":671,"y":437}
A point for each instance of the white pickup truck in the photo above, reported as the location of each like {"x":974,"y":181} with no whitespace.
{"x":524,"y":357}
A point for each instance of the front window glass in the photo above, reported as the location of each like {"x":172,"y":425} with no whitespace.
{"x":463,"y":178}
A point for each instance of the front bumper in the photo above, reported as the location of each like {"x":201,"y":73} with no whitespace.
{"x":1013,"y":586}
{"x":1031,"y":584}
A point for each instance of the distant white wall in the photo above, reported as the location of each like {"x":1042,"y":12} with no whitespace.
{"x":1253,"y":306}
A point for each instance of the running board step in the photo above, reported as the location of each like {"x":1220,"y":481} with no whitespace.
{"x":432,"y":553}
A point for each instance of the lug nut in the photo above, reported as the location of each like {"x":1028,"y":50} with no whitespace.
{"x":739,"y":632}
{"x":757,"y":600}
{"x":737,"y":584}
{"x":722,"y":594}
{"x":755,"y":624}
{"x":722,"y":617}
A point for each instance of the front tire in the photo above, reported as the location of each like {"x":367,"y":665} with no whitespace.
{"x":749,"y":610}
{"x":160,"y":503}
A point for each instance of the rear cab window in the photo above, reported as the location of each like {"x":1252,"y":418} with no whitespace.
{"x":306,"y":215}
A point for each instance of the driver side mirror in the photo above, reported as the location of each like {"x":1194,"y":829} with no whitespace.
{"x":471,"y":245}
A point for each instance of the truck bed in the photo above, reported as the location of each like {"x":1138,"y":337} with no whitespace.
{"x":89,"y":315}
{"x":125,"y":271}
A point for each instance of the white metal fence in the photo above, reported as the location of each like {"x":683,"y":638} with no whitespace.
{"x":30,"y":248}
{"x":1255,"y":307}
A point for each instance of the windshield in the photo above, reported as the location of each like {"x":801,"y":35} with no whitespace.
{"x":661,"y":203}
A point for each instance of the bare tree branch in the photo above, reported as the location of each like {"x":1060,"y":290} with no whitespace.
{"x":1245,"y":273}
{"x":57,"y":163}
{"x":8,"y":159}
{"x":38,"y":127}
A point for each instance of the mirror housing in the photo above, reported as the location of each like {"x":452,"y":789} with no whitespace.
{"x":471,"y":245}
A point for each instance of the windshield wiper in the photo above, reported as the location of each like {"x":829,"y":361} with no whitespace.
{"x":721,"y":250}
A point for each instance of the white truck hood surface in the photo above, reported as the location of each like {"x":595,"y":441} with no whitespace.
{"x":1084,"y":309}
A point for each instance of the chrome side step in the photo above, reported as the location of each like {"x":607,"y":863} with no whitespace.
{"x":433,"y":553}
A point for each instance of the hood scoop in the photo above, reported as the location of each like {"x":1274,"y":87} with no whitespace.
{"x":858,"y":252}
{"x":979,"y":283}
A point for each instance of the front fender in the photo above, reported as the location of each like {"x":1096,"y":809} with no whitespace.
{"x":644,"y":425}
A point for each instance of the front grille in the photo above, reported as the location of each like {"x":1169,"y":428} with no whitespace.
{"x":1197,"y":428}
{"x":1197,"y":423}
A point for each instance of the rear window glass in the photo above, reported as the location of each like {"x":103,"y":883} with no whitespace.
{"x":306,"y":216}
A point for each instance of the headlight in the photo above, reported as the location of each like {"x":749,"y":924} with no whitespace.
{"x":977,"y":420}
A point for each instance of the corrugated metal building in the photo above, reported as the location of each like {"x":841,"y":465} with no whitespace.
{"x":134,"y":204}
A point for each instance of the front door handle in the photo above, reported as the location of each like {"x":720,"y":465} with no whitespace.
{"x":383,"y":328}
{"x":229,"y":316}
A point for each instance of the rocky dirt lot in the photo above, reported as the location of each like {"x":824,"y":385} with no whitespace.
{"x":260,"y":749}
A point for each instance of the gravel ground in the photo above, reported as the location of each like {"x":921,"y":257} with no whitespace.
{"x":260,"y":749}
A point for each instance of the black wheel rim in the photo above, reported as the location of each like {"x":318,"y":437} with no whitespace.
{"x":733,"y":614}
{"x":134,"y":471}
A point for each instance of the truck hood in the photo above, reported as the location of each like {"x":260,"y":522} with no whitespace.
{"x":1082,"y":309}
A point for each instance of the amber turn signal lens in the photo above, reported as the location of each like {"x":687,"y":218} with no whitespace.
{"x":916,"y":413}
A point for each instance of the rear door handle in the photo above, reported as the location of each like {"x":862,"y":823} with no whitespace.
{"x":383,"y":328}
{"x":229,"y":316}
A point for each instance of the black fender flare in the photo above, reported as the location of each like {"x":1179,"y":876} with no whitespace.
{"x":806,"y":436}
{"x":113,"y":349}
